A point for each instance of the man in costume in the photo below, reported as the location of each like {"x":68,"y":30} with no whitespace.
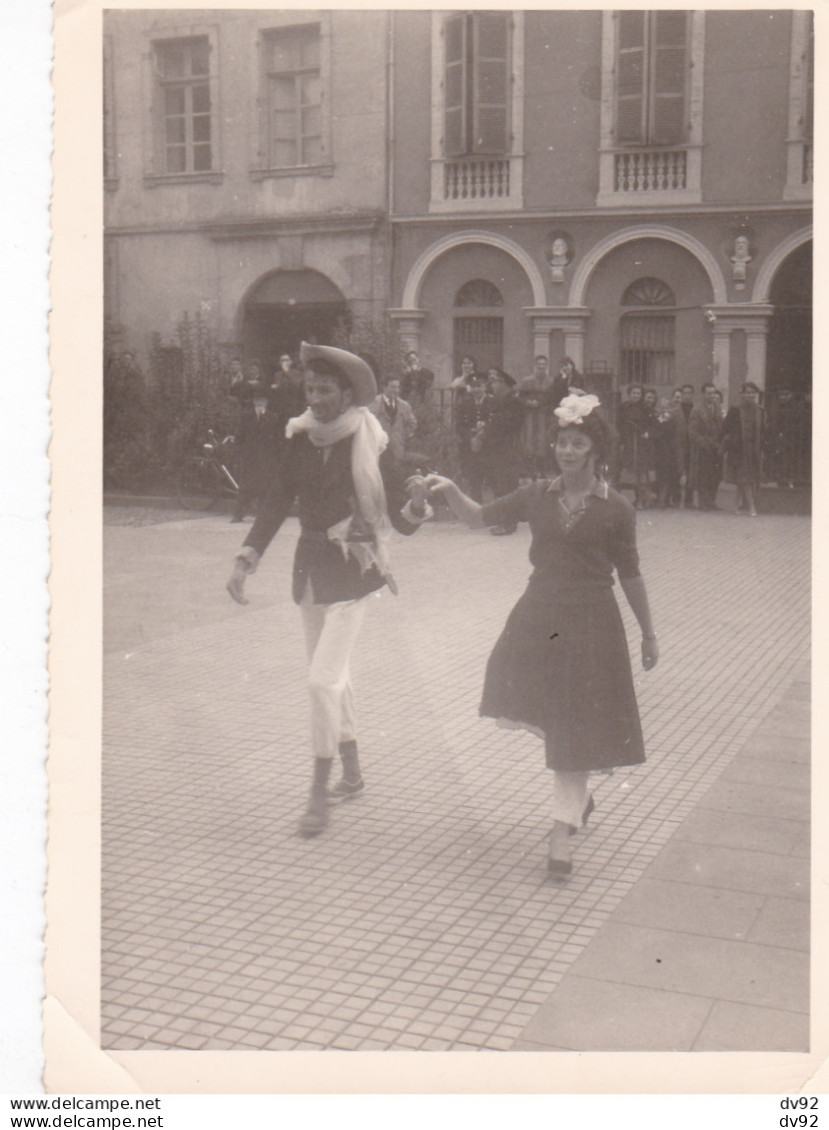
{"x":349,"y":497}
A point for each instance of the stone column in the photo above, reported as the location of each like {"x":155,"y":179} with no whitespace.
{"x":754,"y":319}
{"x":409,"y":325}
{"x":571,"y":320}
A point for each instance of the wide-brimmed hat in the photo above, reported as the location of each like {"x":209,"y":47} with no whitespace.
{"x":355,"y":370}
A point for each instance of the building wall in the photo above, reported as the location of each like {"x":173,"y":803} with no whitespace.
{"x":743,"y":190}
{"x":202,"y":244}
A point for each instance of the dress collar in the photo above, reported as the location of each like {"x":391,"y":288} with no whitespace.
{"x":599,"y":488}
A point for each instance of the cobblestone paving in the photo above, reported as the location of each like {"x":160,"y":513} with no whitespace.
{"x":424,"y":918}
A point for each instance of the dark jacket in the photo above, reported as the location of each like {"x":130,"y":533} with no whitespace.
{"x":324,"y":490}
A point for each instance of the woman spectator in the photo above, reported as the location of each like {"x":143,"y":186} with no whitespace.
{"x":637,"y":419}
{"x":741,"y":441}
{"x":561,"y":667}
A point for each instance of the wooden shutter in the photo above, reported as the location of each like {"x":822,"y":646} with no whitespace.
{"x":490,"y":82}
{"x":454,"y":87}
{"x":669,"y":71}
{"x":630,"y":78}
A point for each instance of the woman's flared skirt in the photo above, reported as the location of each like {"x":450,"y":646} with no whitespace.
{"x":562,"y":666}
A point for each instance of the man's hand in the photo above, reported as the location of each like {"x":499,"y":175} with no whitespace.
{"x":236,"y":585}
{"x":418,"y":492}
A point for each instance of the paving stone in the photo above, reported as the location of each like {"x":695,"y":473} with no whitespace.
{"x":435,"y":880}
{"x":694,"y":910}
{"x":753,"y":1029}
{"x":688,"y":963}
{"x":782,"y":922}
{"x":733,"y":869}
{"x":591,"y":1015}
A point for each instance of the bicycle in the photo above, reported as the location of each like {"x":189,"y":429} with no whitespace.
{"x":206,"y":478}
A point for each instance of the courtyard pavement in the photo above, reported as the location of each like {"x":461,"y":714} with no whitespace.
{"x":424,"y":918}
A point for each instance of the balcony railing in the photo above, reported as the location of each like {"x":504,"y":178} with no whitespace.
{"x":650,"y":170}
{"x":476,"y":178}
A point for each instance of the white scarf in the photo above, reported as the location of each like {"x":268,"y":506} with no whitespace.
{"x":370,"y":513}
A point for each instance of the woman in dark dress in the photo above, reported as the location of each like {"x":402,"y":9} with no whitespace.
{"x":561,"y":666}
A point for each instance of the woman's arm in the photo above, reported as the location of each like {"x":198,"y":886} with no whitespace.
{"x":462,"y":506}
{"x":637,"y":597}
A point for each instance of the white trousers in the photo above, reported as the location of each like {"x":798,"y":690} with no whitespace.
{"x":570,"y":796}
{"x":331,"y":631}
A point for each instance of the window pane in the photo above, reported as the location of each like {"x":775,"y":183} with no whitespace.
{"x":311,"y":48}
{"x":171,"y":60}
{"x":176,"y":159}
{"x":310,"y":121}
{"x":174,"y":132}
{"x":201,"y":127}
{"x":284,"y":125}
{"x":311,"y":151}
{"x":284,"y":154}
{"x":174,"y":100}
{"x":310,"y":90}
{"x":201,"y":99}
{"x":199,"y":57}
{"x":201,"y":158}
{"x":283,"y":93}
{"x":284,"y":53}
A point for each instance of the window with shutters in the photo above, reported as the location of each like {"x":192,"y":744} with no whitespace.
{"x":652,"y":71}
{"x":800,"y":148}
{"x":476,"y":83}
{"x":477,"y":116}
{"x":651,"y":123}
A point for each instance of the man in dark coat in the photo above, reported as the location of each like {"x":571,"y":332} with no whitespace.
{"x":260,"y":436}
{"x":704,"y":433}
{"x":415,"y":381}
{"x":349,"y":498}
{"x":471,"y":417}
{"x":502,"y":435}
{"x":681,"y":413}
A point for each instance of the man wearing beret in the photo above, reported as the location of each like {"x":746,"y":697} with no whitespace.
{"x":349,"y":497}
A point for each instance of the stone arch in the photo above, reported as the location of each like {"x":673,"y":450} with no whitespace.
{"x":772,"y":263}
{"x":587,"y":266}
{"x":420,"y":268}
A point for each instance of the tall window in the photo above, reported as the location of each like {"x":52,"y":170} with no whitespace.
{"x":476,"y":84}
{"x":183,"y":78}
{"x":293,"y":96}
{"x":647,"y":334}
{"x":652,"y":78}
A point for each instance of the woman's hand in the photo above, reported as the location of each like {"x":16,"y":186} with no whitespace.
{"x":650,"y":652}
{"x":437,"y":483}
{"x":236,"y":585}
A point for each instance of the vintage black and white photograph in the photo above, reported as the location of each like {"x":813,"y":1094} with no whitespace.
{"x":457,"y":463}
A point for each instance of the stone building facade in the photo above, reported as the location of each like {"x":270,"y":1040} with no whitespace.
{"x":500,"y":183}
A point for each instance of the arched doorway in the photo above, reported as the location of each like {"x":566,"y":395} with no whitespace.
{"x":789,"y":346}
{"x":286,"y":307}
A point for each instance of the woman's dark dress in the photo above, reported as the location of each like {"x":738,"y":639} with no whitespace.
{"x":561,"y":664}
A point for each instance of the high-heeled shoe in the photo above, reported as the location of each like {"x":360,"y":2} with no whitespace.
{"x":588,"y":808}
{"x":558,"y":864}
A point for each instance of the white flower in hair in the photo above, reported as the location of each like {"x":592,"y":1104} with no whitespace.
{"x":574,"y":408}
